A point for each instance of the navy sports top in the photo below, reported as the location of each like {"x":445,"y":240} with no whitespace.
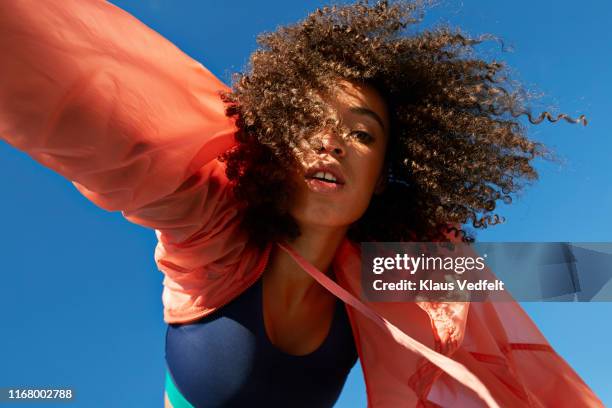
{"x":225,"y":359}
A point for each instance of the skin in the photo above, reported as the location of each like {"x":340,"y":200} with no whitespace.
{"x":297,"y":310}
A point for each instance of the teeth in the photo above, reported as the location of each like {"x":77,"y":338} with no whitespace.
{"x":325,"y":175}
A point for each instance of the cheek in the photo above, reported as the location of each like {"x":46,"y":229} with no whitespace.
{"x":368,"y":169}
{"x":361,"y":195}
{"x":368,"y":173}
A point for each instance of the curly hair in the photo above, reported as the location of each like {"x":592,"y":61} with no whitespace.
{"x":456,"y":145}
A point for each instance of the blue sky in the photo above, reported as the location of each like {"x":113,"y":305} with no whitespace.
{"x":80,"y":300}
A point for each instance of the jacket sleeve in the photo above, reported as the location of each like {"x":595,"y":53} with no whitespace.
{"x":92,"y":93}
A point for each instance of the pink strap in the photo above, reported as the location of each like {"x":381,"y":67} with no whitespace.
{"x":451,"y":367}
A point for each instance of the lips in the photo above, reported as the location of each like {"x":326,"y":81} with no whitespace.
{"x":324,"y":187}
{"x":319,"y":185}
{"x":334,"y":170}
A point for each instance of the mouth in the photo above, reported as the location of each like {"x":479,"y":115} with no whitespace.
{"x":325,"y":179}
{"x":327,"y":174}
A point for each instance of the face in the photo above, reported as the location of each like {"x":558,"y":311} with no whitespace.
{"x":343,"y":166}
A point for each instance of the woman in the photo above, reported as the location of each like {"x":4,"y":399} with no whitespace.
{"x":344,"y":130}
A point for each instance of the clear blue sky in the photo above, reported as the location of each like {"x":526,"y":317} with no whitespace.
{"x":80,"y":300}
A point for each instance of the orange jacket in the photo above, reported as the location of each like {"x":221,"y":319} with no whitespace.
{"x":90,"y":92}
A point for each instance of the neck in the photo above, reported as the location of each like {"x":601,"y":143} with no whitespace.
{"x":317,"y":245}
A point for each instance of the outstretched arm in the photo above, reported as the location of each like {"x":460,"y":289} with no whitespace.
{"x":89,"y":91}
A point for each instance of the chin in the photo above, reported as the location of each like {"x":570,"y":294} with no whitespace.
{"x":332,"y":219}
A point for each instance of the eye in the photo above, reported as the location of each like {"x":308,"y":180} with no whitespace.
{"x":362,"y":136}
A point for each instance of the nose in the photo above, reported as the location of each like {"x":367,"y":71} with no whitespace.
{"x":333,"y":144}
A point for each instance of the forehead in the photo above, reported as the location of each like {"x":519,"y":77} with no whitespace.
{"x":348,"y":95}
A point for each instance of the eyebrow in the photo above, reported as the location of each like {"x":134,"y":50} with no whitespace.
{"x":368,"y":112}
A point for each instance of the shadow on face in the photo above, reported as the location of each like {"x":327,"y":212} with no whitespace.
{"x":343,"y":166}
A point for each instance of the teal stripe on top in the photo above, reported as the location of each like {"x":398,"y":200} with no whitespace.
{"x":176,"y":398}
